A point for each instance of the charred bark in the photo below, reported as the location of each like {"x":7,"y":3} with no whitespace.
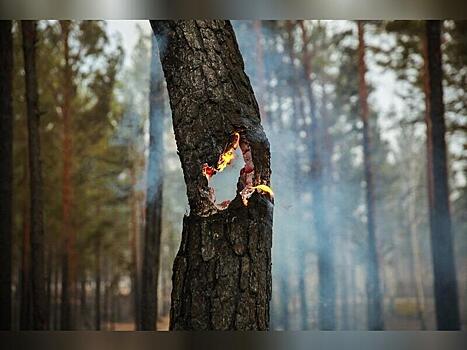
{"x":222,"y":272}
{"x":152,"y":239}
{"x":6,"y":171}
{"x":39,"y":302}
{"x":445,"y":282}
{"x":375,"y":305}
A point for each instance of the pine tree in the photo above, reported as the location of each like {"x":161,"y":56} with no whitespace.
{"x":222,"y":272}
{"x":6,"y":172}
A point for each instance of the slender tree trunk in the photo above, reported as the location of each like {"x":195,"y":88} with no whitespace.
{"x":375,"y":305}
{"x":260,"y":71}
{"x":299,"y":112}
{"x":326,"y":271}
{"x":415,"y":273}
{"x":97,"y":297}
{"x":302,"y":290}
{"x":6,"y":171}
{"x":134,"y":241}
{"x":55,"y":300}
{"x":39,"y":302}
{"x":446,"y":294}
{"x":48,"y":285}
{"x":153,"y":227}
{"x":222,"y":272}
{"x":67,"y":275}
{"x":285,"y":299}
{"x":25,"y":303}
{"x":83,"y":302}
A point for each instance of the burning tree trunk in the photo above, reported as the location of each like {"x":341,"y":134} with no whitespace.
{"x":152,"y":240}
{"x":6,"y":171}
{"x":39,"y":302}
{"x":446,"y":297}
{"x":222,"y":272}
{"x":375,"y":307}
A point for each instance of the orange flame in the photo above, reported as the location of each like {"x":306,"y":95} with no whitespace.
{"x":225,"y":158}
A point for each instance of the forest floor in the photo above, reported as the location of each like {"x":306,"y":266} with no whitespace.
{"x":162,"y":325}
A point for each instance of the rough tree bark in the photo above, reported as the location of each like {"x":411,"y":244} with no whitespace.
{"x":6,"y":171}
{"x":222,"y":272}
{"x":375,"y":307}
{"x":39,"y":302}
{"x":152,"y":239}
{"x":327,"y":285}
{"x":445,"y":282}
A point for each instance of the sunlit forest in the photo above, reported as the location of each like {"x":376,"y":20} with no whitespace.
{"x":368,"y":174}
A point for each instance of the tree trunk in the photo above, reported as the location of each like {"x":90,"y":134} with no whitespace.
{"x":134,"y":241}
{"x":97,"y":297}
{"x":25,"y":322}
{"x":375,"y":307}
{"x":83,"y":302}
{"x":67,"y":274}
{"x":327,"y":285}
{"x":39,"y":302}
{"x":6,"y":171}
{"x":222,"y":272}
{"x":152,"y":239}
{"x":55,"y":300}
{"x":285,"y":299}
{"x":48,"y":285}
{"x":260,"y":71}
{"x":446,"y":297}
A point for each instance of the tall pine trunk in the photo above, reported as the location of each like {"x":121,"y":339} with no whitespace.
{"x":222,"y":272}
{"x":375,"y":305}
{"x":98,"y":273}
{"x":152,"y":238}
{"x":445,"y":282}
{"x":39,"y":301}
{"x":134,"y":227}
{"x":67,"y":273}
{"x":6,"y":171}
{"x":325,"y":244}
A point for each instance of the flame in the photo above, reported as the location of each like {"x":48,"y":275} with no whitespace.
{"x":249,"y":190}
{"x":225,"y":158}
{"x":265,"y":189}
{"x":229,"y":154}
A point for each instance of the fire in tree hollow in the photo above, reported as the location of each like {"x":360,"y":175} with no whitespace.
{"x":246,"y":173}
